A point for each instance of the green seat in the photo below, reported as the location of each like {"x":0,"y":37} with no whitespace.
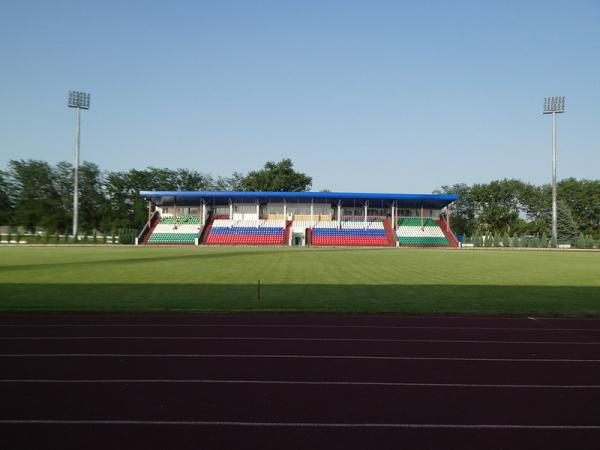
{"x":423,"y":240}
{"x":181,"y":220}
{"x":416,"y":222}
{"x":172,"y":238}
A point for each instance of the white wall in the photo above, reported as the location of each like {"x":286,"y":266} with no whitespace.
{"x":244,"y":211}
{"x":299,"y":208}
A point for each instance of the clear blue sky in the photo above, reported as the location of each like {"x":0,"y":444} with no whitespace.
{"x":379,"y":96}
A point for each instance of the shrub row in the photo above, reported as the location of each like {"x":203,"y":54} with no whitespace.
{"x":526,"y":241}
{"x":125,"y":236}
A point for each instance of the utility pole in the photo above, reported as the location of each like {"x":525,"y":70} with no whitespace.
{"x":78,"y":100}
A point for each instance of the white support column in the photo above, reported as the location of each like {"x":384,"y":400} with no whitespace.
{"x":366,"y":209}
{"x":149,"y":214}
{"x":393,"y":215}
{"x":448,"y":217}
{"x":203,"y":212}
{"x":312,"y":209}
{"x":257,"y":210}
{"x":230,"y":210}
{"x":284,"y":209}
{"x":339,"y":212}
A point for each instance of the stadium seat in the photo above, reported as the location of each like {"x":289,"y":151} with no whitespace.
{"x":187,"y":230}
{"x":247,"y":232}
{"x":410,"y":232}
{"x":349,"y":233}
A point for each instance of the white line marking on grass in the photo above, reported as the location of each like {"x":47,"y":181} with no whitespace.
{"x":307,"y":383}
{"x":385,"y":327}
{"x":300,"y":339}
{"x":298,"y":424}
{"x":256,"y":356}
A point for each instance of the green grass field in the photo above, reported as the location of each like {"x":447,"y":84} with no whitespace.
{"x":413,"y":281}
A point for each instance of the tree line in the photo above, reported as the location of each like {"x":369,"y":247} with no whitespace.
{"x":37,"y":195}
{"x":515,"y":207}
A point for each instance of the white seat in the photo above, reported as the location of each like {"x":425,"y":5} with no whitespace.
{"x":427,"y":231}
{"x":221,"y":223}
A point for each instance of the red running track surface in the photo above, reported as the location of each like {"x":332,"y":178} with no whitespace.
{"x":223,"y":381}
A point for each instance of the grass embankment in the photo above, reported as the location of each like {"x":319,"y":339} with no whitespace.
{"x":342,"y":280}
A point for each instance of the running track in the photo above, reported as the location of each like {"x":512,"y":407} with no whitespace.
{"x":225,"y":381}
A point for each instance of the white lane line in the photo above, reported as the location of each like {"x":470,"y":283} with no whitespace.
{"x":214,"y":325}
{"x":307,"y":383}
{"x":300,"y":339}
{"x":264,"y":356}
{"x":298,"y":424}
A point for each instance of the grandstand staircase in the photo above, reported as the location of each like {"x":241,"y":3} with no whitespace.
{"x":448,"y":233}
{"x":206,"y":230}
{"x":286,"y":233}
{"x":389,"y":233}
{"x":147,"y":232}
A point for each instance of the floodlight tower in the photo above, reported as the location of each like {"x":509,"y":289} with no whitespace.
{"x":78,"y":100}
{"x":554,"y":105}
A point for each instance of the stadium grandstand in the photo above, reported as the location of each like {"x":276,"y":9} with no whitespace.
{"x":297,"y":219}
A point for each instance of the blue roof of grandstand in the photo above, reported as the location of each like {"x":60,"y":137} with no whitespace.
{"x":346,"y":198}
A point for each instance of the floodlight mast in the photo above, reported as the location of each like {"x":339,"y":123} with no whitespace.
{"x":554,"y":105}
{"x":78,"y":100}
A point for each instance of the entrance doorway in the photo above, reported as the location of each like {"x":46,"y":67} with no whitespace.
{"x":298,"y":240}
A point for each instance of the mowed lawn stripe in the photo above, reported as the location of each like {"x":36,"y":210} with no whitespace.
{"x":418,"y":281}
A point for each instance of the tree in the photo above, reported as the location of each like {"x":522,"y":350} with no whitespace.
{"x":36,"y":200}
{"x":497,"y":205}
{"x":6,"y":205}
{"x":476,"y":238}
{"x":565,"y":225}
{"x":126,"y":209}
{"x":491,"y":207}
{"x":580,"y":243}
{"x":63,"y":184}
{"x":514,"y":206}
{"x":515,"y":241}
{"x":505,"y":240}
{"x":583,"y":199}
{"x":232,"y":183}
{"x":489,"y":240}
{"x":94,"y":206}
{"x":534,"y":203}
{"x":464,"y":212}
{"x":544,"y":241}
{"x":277,"y":177}
{"x":589,"y":241}
{"x":497,"y":239}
